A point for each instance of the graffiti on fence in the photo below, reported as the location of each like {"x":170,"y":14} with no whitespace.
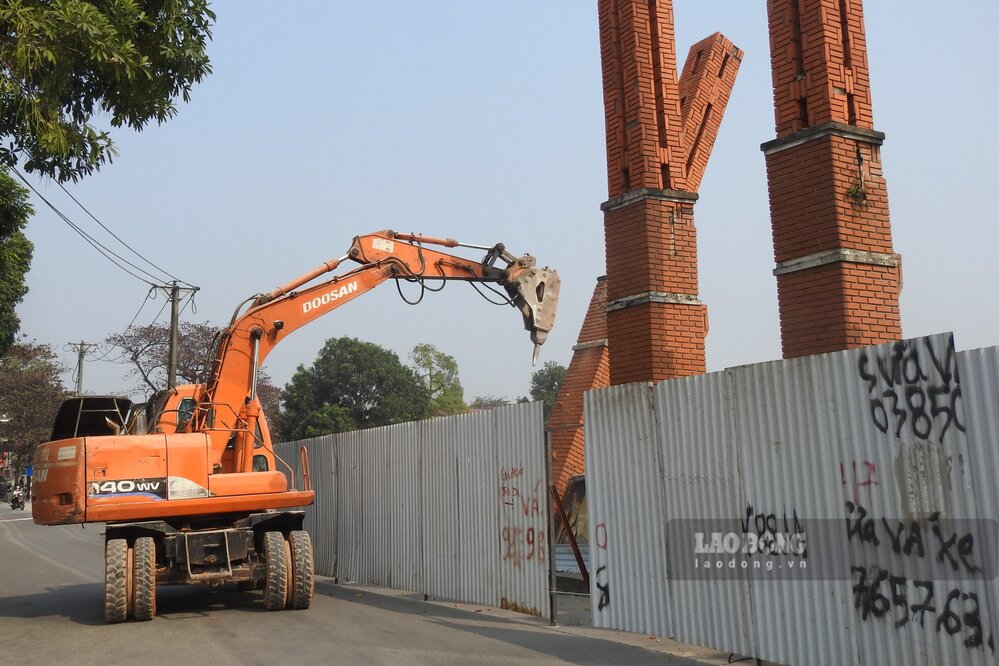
{"x":522,"y":541}
{"x":880,"y":593}
{"x":909,"y":391}
{"x":510,"y":480}
{"x":911,"y":600}
{"x":951,"y":547}
{"x":856,"y":475}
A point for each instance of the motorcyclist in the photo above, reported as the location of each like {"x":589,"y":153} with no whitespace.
{"x":17,"y":498}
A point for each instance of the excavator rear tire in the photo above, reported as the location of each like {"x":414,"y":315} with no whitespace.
{"x":144,"y":579}
{"x":115,"y":581}
{"x":278,"y":575}
{"x":303,"y":581}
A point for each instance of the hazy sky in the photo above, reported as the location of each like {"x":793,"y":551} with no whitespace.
{"x":483,"y":121}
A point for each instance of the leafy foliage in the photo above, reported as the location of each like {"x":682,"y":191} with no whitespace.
{"x":63,"y":62}
{"x":545,"y":384}
{"x":32,"y":393}
{"x":439,"y":373}
{"x":15,"y":255}
{"x":352,"y":385}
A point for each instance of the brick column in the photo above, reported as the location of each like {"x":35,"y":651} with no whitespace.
{"x":588,"y":369}
{"x":660,"y":131}
{"x":838,"y":278}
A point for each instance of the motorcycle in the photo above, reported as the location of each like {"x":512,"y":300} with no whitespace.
{"x":17,"y":501}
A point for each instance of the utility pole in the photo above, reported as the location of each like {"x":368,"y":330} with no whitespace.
{"x":81,"y":349}
{"x":173,"y":290}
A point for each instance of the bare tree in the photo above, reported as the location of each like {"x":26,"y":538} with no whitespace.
{"x":147,"y":350}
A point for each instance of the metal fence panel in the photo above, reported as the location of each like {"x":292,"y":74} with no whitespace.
{"x":377,"y":508}
{"x":322,"y":462}
{"x":441,"y":536}
{"x":406,"y":554}
{"x":700,"y":475}
{"x":517,"y":490}
{"x":628,"y":585}
{"x":451,"y":507}
{"x":475,"y":461}
{"x":776,"y":413}
{"x":979,"y":382}
{"x":860,"y":447}
{"x":349,"y":520}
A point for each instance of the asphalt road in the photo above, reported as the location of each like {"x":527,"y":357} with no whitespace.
{"x":51,"y":611}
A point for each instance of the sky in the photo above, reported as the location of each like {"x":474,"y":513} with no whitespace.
{"x":483,"y":121}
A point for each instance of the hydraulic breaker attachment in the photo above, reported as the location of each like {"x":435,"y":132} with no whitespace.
{"x":534,"y":292}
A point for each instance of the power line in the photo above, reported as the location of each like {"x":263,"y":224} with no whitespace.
{"x":107,"y":252}
{"x":104,"y":357}
{"x":97,"y":245}
{"x":115,"y":236}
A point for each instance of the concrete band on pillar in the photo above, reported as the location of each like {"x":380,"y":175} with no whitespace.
{"x":645,"y":194}
{"x":832,"y":256}
{"x":652,"y":297}
{"x":593,"y":344}
{"x":871,"y":137}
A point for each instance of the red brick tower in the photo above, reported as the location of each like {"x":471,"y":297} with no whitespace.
{"x":838,"y":279}
{"x":659,"y":136}
{"x":589,"y":369}
{"x":645,"y":322}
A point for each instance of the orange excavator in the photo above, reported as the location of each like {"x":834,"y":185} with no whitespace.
{"x":189,"y":485}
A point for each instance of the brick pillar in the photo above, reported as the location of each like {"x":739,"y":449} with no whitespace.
{"x":660,"y":132}
{"x":588,"y":369}
{"x":838,"y":278}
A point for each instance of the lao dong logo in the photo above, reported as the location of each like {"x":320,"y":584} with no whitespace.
{"x":749,"y":543}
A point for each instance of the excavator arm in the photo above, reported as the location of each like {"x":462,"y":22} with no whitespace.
{"x":229,"y":404}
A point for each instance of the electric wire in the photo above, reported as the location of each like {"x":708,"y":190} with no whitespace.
{"x":150,"y":295}
{"x":117,"y":238}
{"x":97,"y":245}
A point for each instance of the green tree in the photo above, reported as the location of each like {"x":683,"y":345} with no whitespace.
{"x":15,"y":256}
{"x":545,"y":384}
{"x":352,"y":385}
{"x":439,"y":373}
{"x":32,"y":393}
{"x":323,"y":421}
{"x":65,"y":62}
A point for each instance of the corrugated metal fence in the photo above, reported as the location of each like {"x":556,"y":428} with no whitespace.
{"x":883,"y":459}
{"x":452,"y":507}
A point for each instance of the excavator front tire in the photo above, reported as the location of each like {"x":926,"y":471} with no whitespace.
{"x":144,"y":579}
{"x":303,"y":582}
{"x":277,"y":587}
{"x":116,"y":580}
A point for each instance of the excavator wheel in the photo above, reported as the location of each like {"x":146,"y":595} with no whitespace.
{"x":144,"y":579}
{"x":116,"y":580}
{"x":278,"y":584}
{"x":303,"y":582}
